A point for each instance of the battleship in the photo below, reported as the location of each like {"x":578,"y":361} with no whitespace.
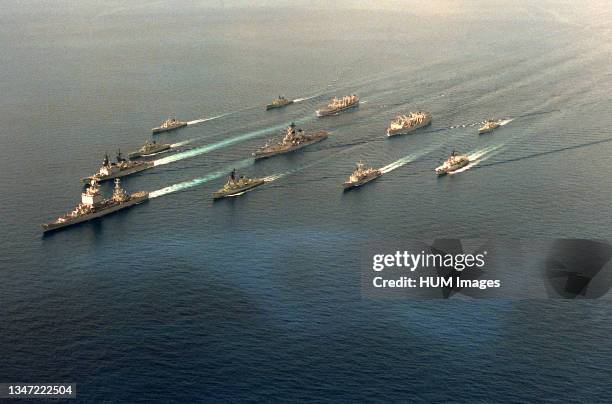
{"x":489,"y":126}
{"x":121,"y":168}
{"x":279,"y":103}
{"x":337,"y":105}
{"x":148,"y":149}
{"x":404,"y":124}
{"x":93,"y":205}
{"x":293,"y":140}
{"x":237,"y":186}
{"x":453,"y":163}
{"x":361,"y":176}
{"x":169,"y":124}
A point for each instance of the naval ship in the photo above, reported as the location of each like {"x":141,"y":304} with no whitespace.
{"x":453,"y":163}
{"x":293,"y":140}
{"x":489,"y":126}
{"x":148,"y":149}
{"x":404,"y":124}
{"x":337,"y":105}
{"x":361,"y":176}
{"x":94,"y":205}
{"x":169,"y":124}
{"x":279,"y":103}
{"x":237,"y":186}
{"x":121,"y":168}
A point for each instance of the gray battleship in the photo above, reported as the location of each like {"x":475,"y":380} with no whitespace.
{"x":121,"y":168}
{"x":279,"y":103}
{"x":453,"y":163}
{"x":169,"y":124}
{"x":148,"y":149}
{"x":236,"y":186}
{"x":293,"y":140}
{"x":404,"y":124}
{"x":93,"y":205}
{"x":361,"y":176}
{"x":489,"y":126}
{"x":337,"y":105}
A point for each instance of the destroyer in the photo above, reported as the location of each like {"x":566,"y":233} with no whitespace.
{"x":293,"y":140}
{"x":337,"y":105}
{"x":279,"y":103}
{"x":361,"y":176}
{"x":453,"y":163}
{"x":404,"y":124}
{"x":121,"y":168}
{"x":94,"y":205}
{"x":169,"y":124}
{"x":148,"y":149}
{"x":489,"y":126}
{"x":236,"y":186}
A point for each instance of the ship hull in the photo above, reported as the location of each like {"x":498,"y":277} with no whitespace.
{"x":440,"y":172}
{"x":49,"y":227}
{"x":352,"y":185}
{"x":266,"y":154}
{"x":327,"y":112}
{"x":483,"y":131}
{"x":238,"y":191}
{"x":276,"y":106}
{"x":160,"y":129}
{"x":120,"y":174}
{"x":405,"y":131}
{"x":138,"y":154}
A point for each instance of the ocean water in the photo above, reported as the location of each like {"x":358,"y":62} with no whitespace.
{"x":258,"y":298}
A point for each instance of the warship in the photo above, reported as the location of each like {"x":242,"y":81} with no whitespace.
{"x":93,"y":205}
{"x":121,"y":168}
{"x":489,"y":126}
{"x":237,"y":186}
{"x":148,"y":149}
{"x":453,"y":163}
{"x":169,"y":124}
{"x":337,"y":105}
{"x":279,"y":103}
{"x":361,"y":176}
{"x":293,"y":140}
{"x":404,"y":124}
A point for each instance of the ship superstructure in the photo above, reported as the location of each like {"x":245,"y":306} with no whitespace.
{"x":237,"y":186}
{"x":94,"y":205}
{"x":403,"y":124}
{"x":453,"y":163}
{"x":337,"y":105}
{"x":120,"y":168}
{"x":360,"y":176}
{"x":169,"y":124}
{"x":294,"y":139}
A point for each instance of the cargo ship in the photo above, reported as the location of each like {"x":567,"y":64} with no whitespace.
{"x":337,"y":105}
{"x":404,"y":124}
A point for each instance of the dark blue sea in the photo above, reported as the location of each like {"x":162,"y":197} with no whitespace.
{"x":258,"y":298}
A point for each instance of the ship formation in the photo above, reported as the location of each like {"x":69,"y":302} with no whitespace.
{"x":293,"y":140}
{"x":94,"y":205}
{"x":404,"y":124}
{"x":337,"y":105}
{"x":361,"y":176}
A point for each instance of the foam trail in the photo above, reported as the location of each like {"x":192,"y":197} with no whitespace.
{"x":183,"y":143}
{"x":181,"y":186}
{"x":306,"y":98}
{"x":195,"y":122}
{"x":505,"y":121}
{"x":405,"y":160}
{"x":219,"y":145}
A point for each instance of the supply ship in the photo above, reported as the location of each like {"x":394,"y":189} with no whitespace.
{"x":237,"y":186}
{"x":93,"y":205}
{"x":121,"y":168}
{"x":337,"y":105}
{"x":453,"y":163}
{"x":361,"y":176}
{"x":279,"y":103}
{"x":169,"y":124}
{"x":293,"y":140}
{"x":489,"y":126}
{"x":404,"y":124}
{"x":148,"y":149}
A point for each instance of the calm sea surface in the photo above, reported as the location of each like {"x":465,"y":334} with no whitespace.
{"x":258,"y":298}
